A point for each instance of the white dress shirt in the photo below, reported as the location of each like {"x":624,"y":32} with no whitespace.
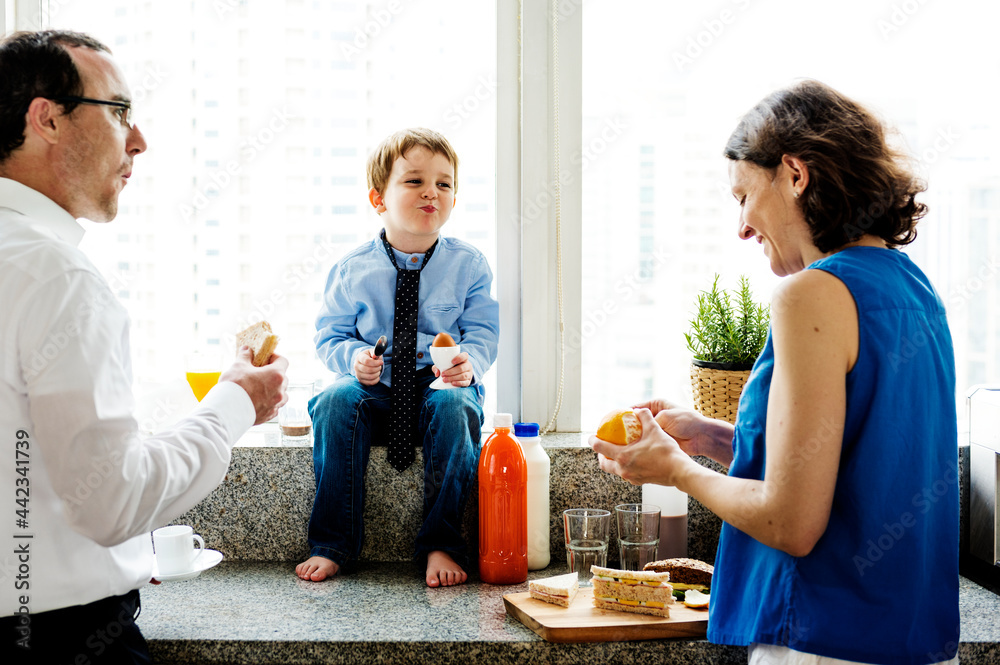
{"x":86,"y":486}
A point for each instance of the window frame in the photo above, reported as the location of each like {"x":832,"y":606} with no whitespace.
{"x":539,"y":367}
{"x":528,"y":376}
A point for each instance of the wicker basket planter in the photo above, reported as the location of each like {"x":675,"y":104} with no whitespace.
{"x":717,"y":387}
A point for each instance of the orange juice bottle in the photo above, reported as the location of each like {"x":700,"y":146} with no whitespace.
{"x":503,"y":507}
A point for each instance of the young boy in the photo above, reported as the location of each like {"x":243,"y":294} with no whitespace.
{"x":409,"y":284}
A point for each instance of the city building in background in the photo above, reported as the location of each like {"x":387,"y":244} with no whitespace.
{"x":259,"y":118}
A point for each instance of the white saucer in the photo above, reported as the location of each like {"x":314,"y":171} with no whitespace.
{"x":205,"y":560}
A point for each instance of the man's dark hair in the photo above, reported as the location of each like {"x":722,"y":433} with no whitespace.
{"x":36,"y":64}
{"x":858,"y":183}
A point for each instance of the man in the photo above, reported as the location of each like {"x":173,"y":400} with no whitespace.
{"x":81,"y":489}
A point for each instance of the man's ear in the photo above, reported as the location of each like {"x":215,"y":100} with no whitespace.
{"x":376,"y":200}
{"x":44,"y":118}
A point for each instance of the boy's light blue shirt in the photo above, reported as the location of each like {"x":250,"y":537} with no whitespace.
{"x":359,"y":301}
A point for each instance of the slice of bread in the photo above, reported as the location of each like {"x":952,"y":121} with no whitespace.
{"x":647,"y":578}
{"x":639,"y":592}
{"x":261,"y":341}
{"x":615,"y":606}
{"x":558,"y":590}
{"x":684,"y":573}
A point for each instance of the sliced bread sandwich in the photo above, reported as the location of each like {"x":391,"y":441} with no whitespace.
{"x":261,"y":341}
{"x":637,"y":591}
{"x":558,"y":590}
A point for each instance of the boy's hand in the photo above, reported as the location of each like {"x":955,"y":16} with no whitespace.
{"x":459,"y":374}
{"x":368,"y":368}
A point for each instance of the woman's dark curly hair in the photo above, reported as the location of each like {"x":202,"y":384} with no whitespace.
{"x":36,"y":64}
{"x":857,"y":183}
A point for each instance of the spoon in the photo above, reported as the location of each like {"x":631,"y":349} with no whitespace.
{"x":380,"y":346}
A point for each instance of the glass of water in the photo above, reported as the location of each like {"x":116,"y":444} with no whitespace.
{"x":587,"y":532}
{"x":638,"y":534}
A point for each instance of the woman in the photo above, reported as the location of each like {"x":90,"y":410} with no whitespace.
{"x":840,"y":535}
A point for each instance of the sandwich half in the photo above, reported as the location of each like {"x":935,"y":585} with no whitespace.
{"x":261,"y":341}
{"x":684,"y":573}
{"x":637,"y":591}
{"x":558,"y":590}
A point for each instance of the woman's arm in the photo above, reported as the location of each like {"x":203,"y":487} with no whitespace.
{"x":815,"y":337}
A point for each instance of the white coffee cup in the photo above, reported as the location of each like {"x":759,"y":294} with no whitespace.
{"x":175,"y":549}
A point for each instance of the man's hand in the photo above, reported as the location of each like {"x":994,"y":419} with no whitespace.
{"x":367,"y":368}
{"x":459,"y":374}
{"x":265,"y":385}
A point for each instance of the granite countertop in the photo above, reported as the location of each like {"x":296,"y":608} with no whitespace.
{"x":259,"y":612}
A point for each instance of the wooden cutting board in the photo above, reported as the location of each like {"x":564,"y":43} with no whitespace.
{"x":582,"y":622}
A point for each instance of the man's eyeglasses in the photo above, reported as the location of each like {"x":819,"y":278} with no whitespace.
{"x":122,"y":109}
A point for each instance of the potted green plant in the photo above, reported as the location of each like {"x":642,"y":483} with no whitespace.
{"x":727,"y":334}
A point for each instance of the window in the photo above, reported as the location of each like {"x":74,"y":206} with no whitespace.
{"x":250,"y":77}
{"x":702,"y":66}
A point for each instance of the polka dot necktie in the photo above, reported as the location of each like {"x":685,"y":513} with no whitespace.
{"x":403,"y":350}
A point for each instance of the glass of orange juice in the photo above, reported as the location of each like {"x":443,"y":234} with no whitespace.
{"x":201,"y":369}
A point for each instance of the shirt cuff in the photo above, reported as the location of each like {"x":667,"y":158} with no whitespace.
{"x":233,"y":407}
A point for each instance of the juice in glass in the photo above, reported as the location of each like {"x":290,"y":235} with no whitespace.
{"x":202,"y":382}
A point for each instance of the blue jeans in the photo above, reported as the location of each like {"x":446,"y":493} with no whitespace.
{"x":344,"y":417}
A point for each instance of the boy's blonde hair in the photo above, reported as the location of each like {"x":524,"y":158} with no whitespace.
{"x":385,"y":155}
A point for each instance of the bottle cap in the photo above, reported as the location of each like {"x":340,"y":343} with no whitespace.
{"x":525,"y":429}
{"x":502,"y":419}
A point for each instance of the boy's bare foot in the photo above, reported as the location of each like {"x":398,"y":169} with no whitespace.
{"x":316,"y":569}
{"x":443,"y":571}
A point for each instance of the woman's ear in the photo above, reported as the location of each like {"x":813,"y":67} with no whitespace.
{"x":376,"y":200}
{"x":798,"y":173}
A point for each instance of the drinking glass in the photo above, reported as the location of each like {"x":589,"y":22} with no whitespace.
{"x":638,"y":534}
{"x":586,"y":540}
{"x":293,"y":417}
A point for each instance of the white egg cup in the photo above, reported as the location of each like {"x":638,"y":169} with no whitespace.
{"x":443,"y":357}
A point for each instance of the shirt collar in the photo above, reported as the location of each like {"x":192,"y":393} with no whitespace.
{"x":41,"y":211}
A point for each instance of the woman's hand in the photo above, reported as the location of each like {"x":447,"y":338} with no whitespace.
{"x":654,"y":458}
{"x":693,"y":432}
{"x":685,"y":426}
